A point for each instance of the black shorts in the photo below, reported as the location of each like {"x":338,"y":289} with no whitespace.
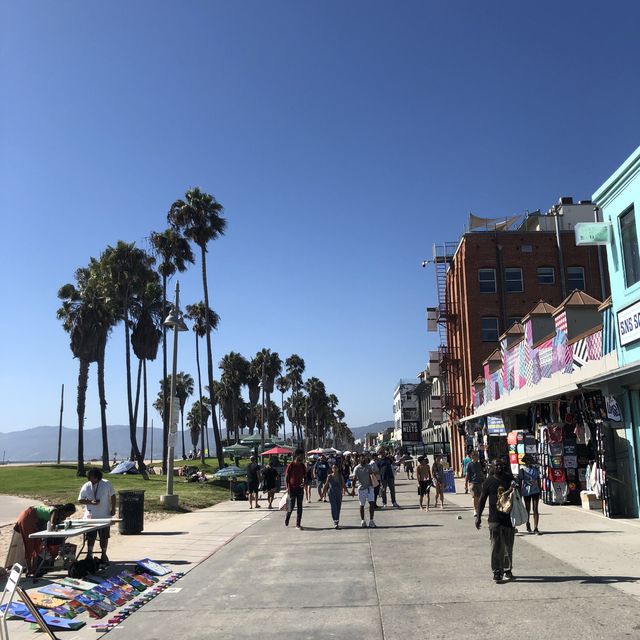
{"x":104,"y":534}
{"x":253,"y":486}
{"x":424,"y":487}
{"x":476,"y":489}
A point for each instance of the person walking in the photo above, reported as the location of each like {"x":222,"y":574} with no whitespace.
{"x":466,"y":461}
{"x":423,"y":476}
{"x":529,"y":480}
{"x":321,"y":471}
{"x":387,"y":479}
{"x":501,"y":531}
{"x":269,"y":482}
{"x":408,"y":467}
{"x":99,"y":499}
{"x":373,"y":463}
{"x":475,"y":478}
{"x":437,"y":472}
{"x":253,"y":482}
{"x":363,"y":477}
{"x":295,"y":476}
{"x":334,"y":486}
{"x":308,"y":480}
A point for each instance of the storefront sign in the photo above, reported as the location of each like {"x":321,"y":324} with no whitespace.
{"x":592,"y":233}
{"x":629,"y":324}
{"x":411,"y":432}
{"x":495,"y":426}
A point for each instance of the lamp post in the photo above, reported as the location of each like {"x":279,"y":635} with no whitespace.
{"x":174,"y":321}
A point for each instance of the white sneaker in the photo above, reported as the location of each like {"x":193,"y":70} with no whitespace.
{"x":372,"y":524}
{"x":363,"y":524}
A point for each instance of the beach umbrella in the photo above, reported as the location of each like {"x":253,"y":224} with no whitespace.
{"x":329,"y":451}
{"x":229,"y":472}
{"x":314,"y":452}
{"x":277,"y":451}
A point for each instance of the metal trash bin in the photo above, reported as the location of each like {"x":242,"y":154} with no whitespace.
{"x":131,"y":511}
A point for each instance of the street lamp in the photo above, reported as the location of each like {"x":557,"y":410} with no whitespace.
{"x":174,"y":321}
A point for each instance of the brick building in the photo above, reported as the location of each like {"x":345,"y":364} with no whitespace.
{"x":493,"y":277}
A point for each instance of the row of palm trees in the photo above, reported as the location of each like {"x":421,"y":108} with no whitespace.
{"x":313,"y":414}
{"x":123,"y":286}
{"x":128,"y":286}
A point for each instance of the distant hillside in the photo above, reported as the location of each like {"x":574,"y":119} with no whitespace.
{"x":41,"y":443}
{"x":376,"y":427}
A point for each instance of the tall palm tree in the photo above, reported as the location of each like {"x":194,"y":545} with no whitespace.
{"x":270,"y":367}
{"x":225,"y":395}
{"x":184,"y":389}
{"x":204,"y":321}
{"x":126,"y":271}
{"x":148,"y":314}
{"x":199,"y":218}
{"x":317,"y":394}
{"x":197,"y":419}
{"x":282,"y":383}
{"x":83,"y":318}
{"x":174,"y":253}
{"x":235,"y":372}
{"x":295,"y":367}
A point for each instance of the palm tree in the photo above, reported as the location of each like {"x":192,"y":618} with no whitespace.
{"x":148,"y":313}
{"x":199,"y":217}
{"x":184,"y":389}
{"x":204,"y":321}
{"x":225,"y":396}
{"x":174,"y":253}
{"x":197,"y":419}
{"x":316,"y":398}
{"x":282,"y":383}
{"x":270,"y":368}
{"x":87,"y":322}
{"x":126,"y":271}
{"x":235,"y":372}
{"x":295,"y":368}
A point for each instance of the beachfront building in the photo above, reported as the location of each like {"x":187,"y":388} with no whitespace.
{"x":406,"y":415}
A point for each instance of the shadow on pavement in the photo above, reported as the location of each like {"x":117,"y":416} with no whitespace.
{"x":163,"y":533}
{"x":564,"y":533}
{"x":581,"y":579}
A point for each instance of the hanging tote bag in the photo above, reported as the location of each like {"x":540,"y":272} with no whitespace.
{"x":518,"y":510}
{"x":283,"y":505}
{"x":505,"y":499}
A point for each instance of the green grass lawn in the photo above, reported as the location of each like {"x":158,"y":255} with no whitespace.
{"x":59,"y":484}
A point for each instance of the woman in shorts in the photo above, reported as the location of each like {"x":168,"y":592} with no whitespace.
{"x":308,"y":480}
{"x":423,"y":477}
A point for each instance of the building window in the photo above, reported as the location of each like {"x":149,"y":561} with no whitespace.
{"x":489,"y":328}
{"x":546,"y":275}
{"x":526,"y":248}
{"x":630,"y":247}
{"x":575,"y":278}
{"x":511,"y":320}
{"x":487,"y":279}
{"x":513,"y":280}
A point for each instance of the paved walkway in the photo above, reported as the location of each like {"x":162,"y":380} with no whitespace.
{"x":11,"y":507}
{"x":417,"y":575}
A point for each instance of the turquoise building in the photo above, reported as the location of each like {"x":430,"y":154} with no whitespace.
{"x":618,"y":200}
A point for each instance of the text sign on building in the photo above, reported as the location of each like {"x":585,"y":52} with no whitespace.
{"x":590,"y":233}
{"x":495,"y":426}
{"x":629,"y":324}
{"x":411,"y":432}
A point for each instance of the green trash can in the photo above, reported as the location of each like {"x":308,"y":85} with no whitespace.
{"x":131,"y":511}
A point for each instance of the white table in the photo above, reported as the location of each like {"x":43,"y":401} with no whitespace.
{"x":77,"y":528}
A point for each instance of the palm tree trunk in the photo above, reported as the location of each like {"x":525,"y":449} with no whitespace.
{"x":165,"y":426}
{"x":132,"y":425}
{"x":184,"y":456}
{"x":203,"y":427}
{"x":145,"y":409}
{"x":138,"y":386}
{"x":83,"y":378}
{"x":284,"y":417}
{"x":214,"y":422}
{"x":103,"y":408}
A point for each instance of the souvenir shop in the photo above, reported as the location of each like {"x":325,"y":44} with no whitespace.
{"x":574,"y":441}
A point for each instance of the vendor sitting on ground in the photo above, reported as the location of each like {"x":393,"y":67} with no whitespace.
{"x":34,"y":519}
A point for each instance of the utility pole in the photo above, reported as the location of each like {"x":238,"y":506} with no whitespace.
{"x":60,"y":425}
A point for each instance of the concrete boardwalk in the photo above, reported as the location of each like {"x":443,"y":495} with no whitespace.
{"x":417,"y":575}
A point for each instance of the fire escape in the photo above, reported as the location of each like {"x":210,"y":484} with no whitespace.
{"x":447,"y":358}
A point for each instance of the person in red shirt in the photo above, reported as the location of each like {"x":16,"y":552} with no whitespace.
{"x":295,"y":477}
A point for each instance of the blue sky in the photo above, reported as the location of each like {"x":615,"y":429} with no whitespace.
{"x":343,"y":139}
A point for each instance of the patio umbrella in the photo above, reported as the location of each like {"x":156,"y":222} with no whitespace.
{"x":314,"y":452}
{"x":229,"y":472}
{"x":330,"y":450}
{"x":236,"y":449}
{"x":256,"y":438}
{"x":277,"y":451}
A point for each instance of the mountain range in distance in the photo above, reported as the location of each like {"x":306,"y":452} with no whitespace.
{"x":40,"y":444}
